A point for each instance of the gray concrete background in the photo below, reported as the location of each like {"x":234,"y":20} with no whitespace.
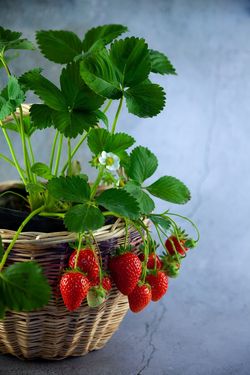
{"x":202,"y":326}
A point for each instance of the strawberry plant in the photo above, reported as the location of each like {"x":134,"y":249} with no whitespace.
{"x":99,"y":71}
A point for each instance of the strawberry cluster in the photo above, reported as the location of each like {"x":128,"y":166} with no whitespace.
{"x":143,"y":278}
{"x":84,"y":278}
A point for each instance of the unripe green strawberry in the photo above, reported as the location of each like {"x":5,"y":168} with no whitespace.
{"x":158,"y":283}
{"x":87,"y":263}
{"x":74,"y":287}
{"x":139,"y":298}
{"x":125,"y":270}
{"x":171,"y":265}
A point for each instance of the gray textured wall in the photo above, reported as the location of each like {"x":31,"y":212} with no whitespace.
{"x":202,"y":137}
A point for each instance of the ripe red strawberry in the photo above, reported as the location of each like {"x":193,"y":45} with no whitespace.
{"x":106,"y":283}
{"x":173,"y":244}
{"x":159,"y":285}
{"x":151,"y":261}
{"x":126,"y":271}
{"x":74,"y":287}
{"x":139,"y":298}
{"x":87,"y":263}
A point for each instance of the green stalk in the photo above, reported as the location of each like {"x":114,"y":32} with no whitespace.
{"x":78,"y":249}
{"x":31,"y":150}
{"x":9,"y":248}
{"x":21,"y":129}
{"x":58,"y":156}
{"x":53,"y":150}
{"x":19,"y":169}
{"x":117,"y":115}
{"x":69,"y":158}
{"x":97,"y":182}
{"x":25,"y":151}
{"x":75,"y":149}
{"x":5,"y":158}
{"x":107,"y":106}
{"x":5,"y":65}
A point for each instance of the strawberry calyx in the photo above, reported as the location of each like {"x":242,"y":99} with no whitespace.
{"x":122,"y":249}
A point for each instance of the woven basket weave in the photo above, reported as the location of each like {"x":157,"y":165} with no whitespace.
{"x":53,"y":332}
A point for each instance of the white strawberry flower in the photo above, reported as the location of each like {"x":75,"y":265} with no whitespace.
{"x":110,"y":160}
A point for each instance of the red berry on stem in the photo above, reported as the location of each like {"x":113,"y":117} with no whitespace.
{"x":159,"y":285}
{"x":74,"y":287}
{"x":87,"y":263}
{"x":173,"y":244}
{"x":125,"y":270}
{"x":151,"y":261}
{"x":139,"y":298}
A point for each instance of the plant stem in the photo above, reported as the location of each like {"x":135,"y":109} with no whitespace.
{"x":19,"y":169}
{"x":69,"y":158}
{"x":24,"y":146}
{"x":5,"y":65}
{"x":78,"y":249}
{"x":53,"y":150}
{"x":117,"y":115}
{"x":107,"y":106}
{"x":97,"y":182}
{"x":52,"y":214}
{"x":9,"y":248}
{"x":5,"y":158}
{"x":58,"y":156}
{"x":75,"y":149}
{"x":31,"y":150}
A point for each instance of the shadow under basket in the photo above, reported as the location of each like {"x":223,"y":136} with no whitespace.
{"x":53,"y":332}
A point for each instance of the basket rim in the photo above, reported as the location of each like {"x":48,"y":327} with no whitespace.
{"x":104,"y":233}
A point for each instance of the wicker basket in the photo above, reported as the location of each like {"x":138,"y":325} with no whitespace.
{"x":53,"y":332}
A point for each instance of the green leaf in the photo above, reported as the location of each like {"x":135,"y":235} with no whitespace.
{"x":99,"y":74}
{"x":164,"y":223}
{"x":41,"y":170}
{"x":69,"y":189}
{"x":160,"y":63}
{"x":119,"y":142}
{"x":170,"y":189}
{"x":101,"y":140}
{"x":59,"y":46}
{"x":11,"y":40}
{"x":131,"y":58}
{"x":41,"y":116}
{"x":5,"y":108}
{"x":145,"y":100}
{"x":97,"y":139}
{"x":145,"y":203}
{"x":101,"y":116}
{"x":120,"y":202}
{"x":15,"y":93}
{"x":35,"y":187}
{"x":77,"y":94}
{"x":1,"y":249}
{"x":143,"y":164}
{"x":11,"y":97}
{"x":71,"y":124}
{"x":23,"y":287}
{"x":105,"y":33}
{"x":22,"y":44}
{"x":83,"y":217}
{"x":44,"y":89}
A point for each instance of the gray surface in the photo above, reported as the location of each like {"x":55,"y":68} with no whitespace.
{"x":202,"y":325}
